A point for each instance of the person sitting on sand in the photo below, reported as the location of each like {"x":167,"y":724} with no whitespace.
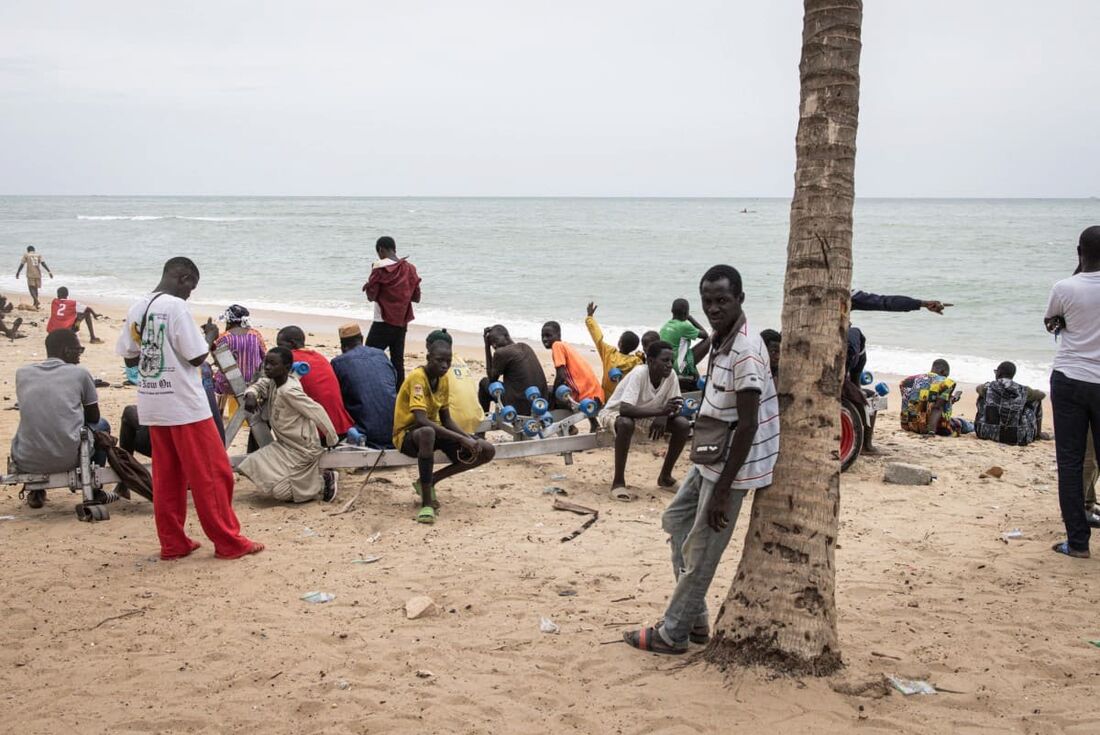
{"x":66,"y":313}
{"x":465,"y":407}
{"x":623,"y":356}
{"x":288,"y":468}
{"x":57,"y":397}
{"x":515,"y":365}
{"x":368,"y":386}
{"x":320,"y":383}
{"x":646,"y":404}
{"x":11,"y":332}
{"x":246,"y":344}
{"x":927,"y":400}
{"x":1008,"y":412}
{"x":422,"y":424}
{"x":735,"y":445}
{"x":35,"y":265}
{"x":773,"y":340}
{"x":159,"y":336}
{"x":681,"y":331}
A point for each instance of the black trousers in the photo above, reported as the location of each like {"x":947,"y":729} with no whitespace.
{"x":1076,"y":405}
{"x":388,"y":337}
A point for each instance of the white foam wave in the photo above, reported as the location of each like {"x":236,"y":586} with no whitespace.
{"x":964,"y":368}
{"x":154,"y":217}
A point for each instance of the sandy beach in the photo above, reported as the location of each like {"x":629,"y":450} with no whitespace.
{"x":101,"y":636}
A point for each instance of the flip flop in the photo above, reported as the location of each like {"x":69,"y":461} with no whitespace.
{"x":699,"y":634}
{"x":435,"y":501}
{"x":1063,"y":547}
{"x":649,"y":640}
{"x":620,"y":493}
{"x":254,"y":547}
{"x":426,"y":515}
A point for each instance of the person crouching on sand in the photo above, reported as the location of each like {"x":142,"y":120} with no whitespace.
{"x":927,"y":400}
{"x":161,"y":339}
{"x":422,"y":424}
{"x":289,"y":468}
{"x":647,"y":404}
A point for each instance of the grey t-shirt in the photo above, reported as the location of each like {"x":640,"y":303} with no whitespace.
{"x":52,"y":396}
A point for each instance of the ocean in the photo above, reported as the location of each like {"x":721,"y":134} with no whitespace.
{"x":521,"y":262}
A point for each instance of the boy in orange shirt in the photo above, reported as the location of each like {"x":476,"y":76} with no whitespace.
{"x":571,"y":369}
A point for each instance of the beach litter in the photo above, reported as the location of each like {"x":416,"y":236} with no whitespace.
{"x":424,"y":674}
{"x":546,"y":625}
{"x":374,"y":537}
{"x":343,"y":684}
{"x":579,"y":510}
{"x":7,"y":518}
{"x":1013,"y":534}
{"x":911,"y":686}
{"x":318,"y":598}
{"x":366,"y":560}
{"x":307,"y":531}
{"x":1095,"y":643}
{"x":995,"y":472}
{"x":554,"y":490}
{"x":558,"y":476}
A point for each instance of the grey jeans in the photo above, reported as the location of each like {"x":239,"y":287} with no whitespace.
{"x":696,"y":551}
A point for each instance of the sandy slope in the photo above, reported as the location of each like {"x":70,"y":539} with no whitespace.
{"x":926,"y":587}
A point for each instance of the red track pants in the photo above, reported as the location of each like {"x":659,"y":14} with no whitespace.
{"x":193,"y":455}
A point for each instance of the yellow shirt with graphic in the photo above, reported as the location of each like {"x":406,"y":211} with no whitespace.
{"x":416,"y":395}
{"x":611,"y":357}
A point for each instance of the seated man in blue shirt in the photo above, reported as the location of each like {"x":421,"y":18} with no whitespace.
{"x":56,"y":398}
{"x":368,"y":386}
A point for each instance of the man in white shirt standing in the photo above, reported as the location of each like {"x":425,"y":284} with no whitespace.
{"x":163,"y":341}
{"x":1073,"y":315}
{"x":734,"y":448}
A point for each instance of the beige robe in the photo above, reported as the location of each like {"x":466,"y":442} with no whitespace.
{"x":287,"y":469}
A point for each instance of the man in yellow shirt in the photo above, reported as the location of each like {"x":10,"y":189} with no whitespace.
{"x":624,"y":357}
{"x":422,"y":424}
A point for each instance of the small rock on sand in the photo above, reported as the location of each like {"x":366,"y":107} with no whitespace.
{"x":419,"y":607}
{"x":900,"y":473}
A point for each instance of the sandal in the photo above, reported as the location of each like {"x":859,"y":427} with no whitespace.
{"x":426,"y":515}
{"x":699,"y":634}
{"x":649,"y":640}
{"x":435,"y":501}
{"x":621,"y":493}
{"x":1063,"y":547}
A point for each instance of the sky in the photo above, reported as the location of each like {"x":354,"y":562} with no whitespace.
{"x":959,"y":98}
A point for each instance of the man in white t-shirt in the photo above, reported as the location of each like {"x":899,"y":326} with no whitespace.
{"x":1073,"y":315}
{"x":647,"y":403}
{"x":163,"y":341}
{"x":735,"y":447}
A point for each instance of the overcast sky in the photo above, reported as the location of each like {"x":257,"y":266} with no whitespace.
{"x":959,"y":98}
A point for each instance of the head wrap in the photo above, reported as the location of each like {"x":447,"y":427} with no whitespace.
{"x":236,"y":315}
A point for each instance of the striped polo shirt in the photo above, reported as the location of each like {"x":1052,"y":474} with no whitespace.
{"x":741,"y":363}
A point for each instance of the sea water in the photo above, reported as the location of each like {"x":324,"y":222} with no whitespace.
{"x":521,"y":262}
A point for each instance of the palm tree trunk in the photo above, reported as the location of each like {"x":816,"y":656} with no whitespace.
{"x":781,"y":609}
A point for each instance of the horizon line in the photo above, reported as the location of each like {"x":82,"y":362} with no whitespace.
{"x":1047,"y":197}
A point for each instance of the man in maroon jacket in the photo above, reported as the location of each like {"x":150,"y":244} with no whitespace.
{"x":393,"y":286}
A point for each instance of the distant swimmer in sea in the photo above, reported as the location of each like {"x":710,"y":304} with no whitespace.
{"x":34,"y":265}
{"x":66,"y":313}
{"x":927,"y":400}
{"x":682,"y":331}
{"x":622,"y":356}
{"x":1008,"y":412}
{"x":645,"y":407}
{"x":393,"y":287}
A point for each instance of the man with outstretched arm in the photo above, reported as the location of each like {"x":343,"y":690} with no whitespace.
{"x":623,"y":355}
{"x":734,"y":449}
{"x":161,"y":339}
{"x":422,"y":424}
